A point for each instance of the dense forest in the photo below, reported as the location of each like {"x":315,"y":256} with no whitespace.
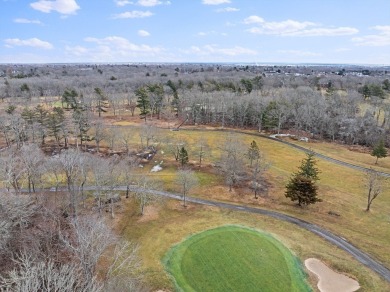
{"x":348,"y":104}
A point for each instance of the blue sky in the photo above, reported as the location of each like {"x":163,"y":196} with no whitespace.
{"x":290,"y":31}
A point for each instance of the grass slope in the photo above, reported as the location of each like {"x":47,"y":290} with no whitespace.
{"x":232,"y":258}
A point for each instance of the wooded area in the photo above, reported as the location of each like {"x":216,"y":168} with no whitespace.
{"x":57,"y":132}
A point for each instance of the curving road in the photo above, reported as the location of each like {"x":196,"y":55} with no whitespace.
{"x":319,"y":155}
{"x":340,"y":242}
{"x":298,"y":147}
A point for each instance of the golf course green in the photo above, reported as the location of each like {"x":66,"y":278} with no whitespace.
{"x":234,"y":258}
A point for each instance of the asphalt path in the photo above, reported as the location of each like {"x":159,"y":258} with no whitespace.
{"x":340,"y":242}
{"x":298,"y":147}
{"x":359,"y":255}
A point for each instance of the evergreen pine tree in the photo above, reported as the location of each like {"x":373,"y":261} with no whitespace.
{"x":302,"y":187}
{"x":308,"y":167}
{"x":253,"y":152}
{"x":303,"y":190}
{"x":183,"y":156}
{"x":379,"y":151}
{"x":142,"y":101}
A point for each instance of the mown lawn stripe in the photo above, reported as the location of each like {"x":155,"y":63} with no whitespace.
{"x":233,"y":258}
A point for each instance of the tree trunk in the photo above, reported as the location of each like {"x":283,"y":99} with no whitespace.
{"x":112,"y":208}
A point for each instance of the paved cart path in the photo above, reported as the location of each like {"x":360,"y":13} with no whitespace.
{"x":359,"y":255}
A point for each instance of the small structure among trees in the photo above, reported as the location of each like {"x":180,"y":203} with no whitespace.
{"x":302,"y":185}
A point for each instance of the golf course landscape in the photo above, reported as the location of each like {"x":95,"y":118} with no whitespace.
{"x":232,"y":258}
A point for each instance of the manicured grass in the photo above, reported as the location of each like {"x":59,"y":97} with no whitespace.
{"x":232,"y":258}
{"x":342,"y":190}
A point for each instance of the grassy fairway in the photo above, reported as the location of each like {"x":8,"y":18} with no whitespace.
{"x":232,"y":258}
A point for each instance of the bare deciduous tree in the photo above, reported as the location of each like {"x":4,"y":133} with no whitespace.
{"x":15,"y":213}
{"x":32,"y":275}
{"x":187,"y":180}
{"x":125,"y":139}
{"x":127,"y":167}
{"x":90,"y":240}
{"x":258,"y":168}
{"x":202,"y":149}
{"x":70,"y":161}
{"x":147,"y":134}
{"x":104,"y":178}
{"x":32,"y":158}
{"x":112,"y":137}
{"x":124,"y":273}
{"x":11,"y":169}
{"x":374,"y":184}
{"x":143,"y":194}
{"x":98,"y":133}
{"x":232,"y":162}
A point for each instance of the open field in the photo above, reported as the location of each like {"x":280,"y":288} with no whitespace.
{"x":232,"y":258}
{"x":166,"y":225}
{"x":357,"y":155}
{"x":342,"y":189}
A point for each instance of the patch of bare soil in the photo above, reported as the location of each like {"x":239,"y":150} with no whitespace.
{"x":150,"y":213}
{"x":328,"y":280}
{"x":178,"y":205}
{"x":359,"y":149}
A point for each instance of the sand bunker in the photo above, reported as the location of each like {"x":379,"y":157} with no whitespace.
{"x":330,"y":281}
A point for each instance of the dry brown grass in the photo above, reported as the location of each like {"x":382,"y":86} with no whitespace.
{"x":342,"y":190}
{"x":174,"y":223}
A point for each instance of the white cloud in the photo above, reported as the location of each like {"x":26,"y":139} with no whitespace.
{"x":295,"y":28}
{"x":208,"y":50}
{"x":121,"y":44}
{"x":113,"y":49}
{"x":382,"y":38}
{"x":338,"y":31}
{"x":133,"y":14}
{"x":60,"y":6}
{"x":145,"y":3}
{"x":278,"y":28}
{"x":228,"y":9}
{"x":253,"y":19}
{"x":341,"y":50}
{"x":123,"y":2}
{"x":215,"y":2}
{"x":210,"y":33}
{"x":143,"y":33}
{"x":33,"y":42}
{"x":77,"y":50}
{"x":29,"y":21}
{"x":206,"y":33}
{"x":299,"y":53}
{"x":149,"y":3}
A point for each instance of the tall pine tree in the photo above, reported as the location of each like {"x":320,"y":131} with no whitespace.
{"x":253,"y":152}
{"x":308,"y":167}
{"x":183,"y":156}
{"x":142,"y":101}
{"x":302,"y":185}
{"x":379,"y":151}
